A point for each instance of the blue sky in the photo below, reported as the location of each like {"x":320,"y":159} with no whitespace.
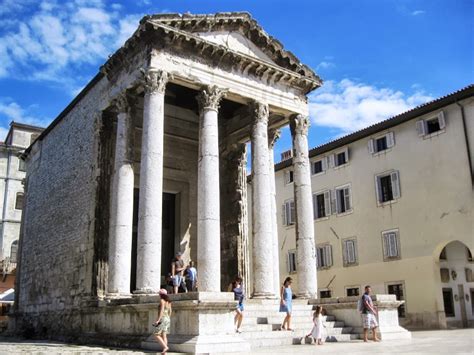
{"x":377,"y":58}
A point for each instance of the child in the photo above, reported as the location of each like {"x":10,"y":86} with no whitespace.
{"x":318,"y":329}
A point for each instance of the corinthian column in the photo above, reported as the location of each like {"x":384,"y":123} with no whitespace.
{"x":262,"y":228}
{"x":208,"y":243}
{"x":273,"y":136}
{"x":151,"y":183}
{"x":305,"y":246}
{"x":121,"y":210}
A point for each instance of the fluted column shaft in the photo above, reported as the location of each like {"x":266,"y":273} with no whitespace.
{"x":305,"y":245}
{"x":151,"y":184}
{"x":273,"y":136}
{"x":262,"y":229}
{"x":121,"y":210}
{"x":208,"y":221}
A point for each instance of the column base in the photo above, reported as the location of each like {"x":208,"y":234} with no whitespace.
{"x":305,"y":295}
{"x":202,"y":322}
{"x":145,"y":291}
{"x":264,"y":295}
{"x":117,"y":295}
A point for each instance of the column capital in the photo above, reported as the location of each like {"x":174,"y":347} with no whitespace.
{"x":299,"y":124}
{"x":210,"y":98}
{"x":260,"y":111}
{"x":273,"y":136}
{"x":154,"y":80}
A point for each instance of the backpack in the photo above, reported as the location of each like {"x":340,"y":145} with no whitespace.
{"x":360,"y":305}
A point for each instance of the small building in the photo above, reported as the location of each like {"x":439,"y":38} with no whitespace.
{"x":12,"y":173}
{"x":393,"y":208}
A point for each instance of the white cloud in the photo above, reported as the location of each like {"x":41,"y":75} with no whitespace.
{"x":348,"y":106}
{"x":12,"y":111}
{"x":418,"y":12}
{"x":325,"y":65}
{"x":56,"y":40}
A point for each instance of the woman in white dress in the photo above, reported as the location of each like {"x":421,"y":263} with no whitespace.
{"x":318,"y":332}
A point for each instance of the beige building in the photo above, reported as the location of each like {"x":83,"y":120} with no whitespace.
{"x":12,"y":173}
{"x":393,"y":208}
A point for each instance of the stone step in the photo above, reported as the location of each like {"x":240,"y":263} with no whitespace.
{"x":274,"y":311}
{"x":330,"y":338}
{"x":256,"y":327}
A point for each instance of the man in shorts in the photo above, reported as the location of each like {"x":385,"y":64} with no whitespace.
{"x":177,"y":272}
{"x":369,"y":315}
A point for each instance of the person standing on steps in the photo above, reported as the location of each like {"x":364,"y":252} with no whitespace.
{"x":319,"y":329}
{"x":163,"y":321}
{"x":191,"y":277}
{"x":286,"y":299}
{"x":369,"y":315}
{"x":238,"y":289}
{"x":177,"y":271}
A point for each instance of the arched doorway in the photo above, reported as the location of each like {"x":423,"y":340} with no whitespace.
{"x":457,"y":283}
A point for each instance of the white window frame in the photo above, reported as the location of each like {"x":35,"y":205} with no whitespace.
{"x":422,"y":129}
{"x":372,"y":144}
{"x":395,"y":185}
{"x":14,"y":247}
{"x":324,"y":164}
{"x":390,"y":244}
{"x":327,"y":204}
{"x":326,"y":258}
{"x":16,"y":199}
{"x":324,"y":290}
{"x":349,"y":259}
{"x":291,"y":261}
{"x":287,"y":175}
{"x":347,"y":198}
{"x":391,"y":283}
{"x":21,"y":163}
{"x":288,"y":213}
{"x":353,"y":286}
{"x":332,"y":161}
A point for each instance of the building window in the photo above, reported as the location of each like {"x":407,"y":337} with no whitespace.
{"x":21,"y":165}
{"x":352,"y":291}
{"x":391,"y":245}
{"x":349,"y":252}
{"x":325,"y":294}
{"x":319,"y":166}
{"x":291,"y":261}
{"x":343,"y":199}
{"x":288,"y":213}
{"x":322,"y":204}
{"x":288,"y":177}
{"x":397,"y":290}
{"x":19,"y":201}
{"x":388,"y":186}
{"x":381,"y":143}
{"x":339,"y":158}
{"x":324,"y":256}
{"x":14,"y":251}
{"x":442,"y":256}
{"x":448,"y":302}
{"x":431,"y":125}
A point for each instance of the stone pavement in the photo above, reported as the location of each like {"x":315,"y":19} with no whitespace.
{"x":460,"y":341}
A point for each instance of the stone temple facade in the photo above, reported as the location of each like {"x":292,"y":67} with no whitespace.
{"x":150,"y":159}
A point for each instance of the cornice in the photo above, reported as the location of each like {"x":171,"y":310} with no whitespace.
{"x":186,"y":43}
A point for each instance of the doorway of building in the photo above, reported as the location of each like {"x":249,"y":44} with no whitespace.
{"x":167,"y":235}
{"x":397,"y":290}
{"x":448,"y":302}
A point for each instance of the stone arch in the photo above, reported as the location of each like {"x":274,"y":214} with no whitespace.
{"x":439,"y":248}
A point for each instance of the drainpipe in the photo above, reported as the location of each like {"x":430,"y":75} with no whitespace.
{"x":466,"y":139}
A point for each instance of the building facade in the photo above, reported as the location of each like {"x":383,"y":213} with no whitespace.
{"x":149,"y":160}
{"x":393,"y":208}
{"x":12,"y":173}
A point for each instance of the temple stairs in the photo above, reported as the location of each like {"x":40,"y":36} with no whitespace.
{"x":261,"y":324}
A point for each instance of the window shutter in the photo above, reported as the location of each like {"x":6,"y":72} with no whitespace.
{"x":441,"y":120}
{"x":393,"y":248}
{"x":347,"y":198}
{"x":395,"y":179}
{"x":421,"y":127}
{"x":345,"y":255}
{"x":386,"y":245}
{"x":318,"y":257}
{"x":283,"y":214}
{"x":288,"y":262}
{"x":336,"y":202}
{"x":287,"y":177}
{"x":327,"y":202}
{"x":292,"y":212}
{"x":313,"y":168}
{"x":346,"y":154}
{"x":371,"y":146}
{"x":350,"y":252}
{"x":378,"y":189}
{"x":328,"y":255}
{"x":333,"y":201}
{"x":390,"y":140}
{"x":324,"y":163}
{"x":331,"y":160}
{"x":315,"y":207}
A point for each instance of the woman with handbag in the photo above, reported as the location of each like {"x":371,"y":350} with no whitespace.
{"x":163,"y":321}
